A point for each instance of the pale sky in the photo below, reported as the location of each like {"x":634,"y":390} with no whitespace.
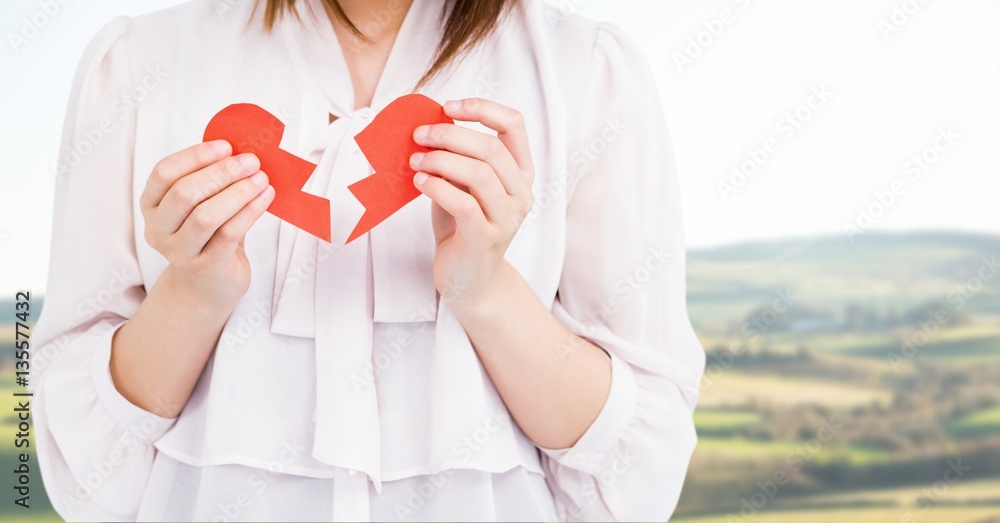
{"x":890,"y":86}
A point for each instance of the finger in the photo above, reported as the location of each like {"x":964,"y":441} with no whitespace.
{"x":481,"y":146}
{"x":463,"y":171}
{"x":231,"y":234}
{"x":180,"y":164}
{"x":203,"y":222}
{"x":507,"y":122}
{"x":469,"y":217}
{"x":199,"y":186}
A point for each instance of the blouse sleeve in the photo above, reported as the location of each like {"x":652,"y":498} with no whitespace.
{"x":623,"y":289}
{"x":94,"y":447}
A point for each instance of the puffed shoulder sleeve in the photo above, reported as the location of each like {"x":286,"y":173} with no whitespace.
{"x":94,"y":447}
{"x":623,"y":289}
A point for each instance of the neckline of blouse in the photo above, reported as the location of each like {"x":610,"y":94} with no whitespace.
{"x":311,"y":40}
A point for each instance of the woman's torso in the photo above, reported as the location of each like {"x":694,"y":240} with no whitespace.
{"x":406,"y":365}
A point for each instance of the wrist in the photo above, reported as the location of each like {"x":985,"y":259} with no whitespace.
{"x":196,"y":297}
{"x":487,"y":297}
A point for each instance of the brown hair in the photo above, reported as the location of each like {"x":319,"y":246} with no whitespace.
{"x":466,"y":23}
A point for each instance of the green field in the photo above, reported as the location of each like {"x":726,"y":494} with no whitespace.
{"x":735,"y":389}
{"x":848,"y":514}
{"x":964,"y":502}
{"x":723,"y":421}
{"x":979,"y":424}
{"x":837,"y":353}
{"x":876,"y":344}
{"x":770,"y":450}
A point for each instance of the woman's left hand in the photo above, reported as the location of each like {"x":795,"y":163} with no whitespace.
{"x":481,"y":194}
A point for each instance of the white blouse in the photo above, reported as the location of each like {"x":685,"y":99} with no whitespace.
{"x":342,"y":387}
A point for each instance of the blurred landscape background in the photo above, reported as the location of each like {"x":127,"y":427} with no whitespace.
{"x":857,"y":374}
{"x":844,"y":382}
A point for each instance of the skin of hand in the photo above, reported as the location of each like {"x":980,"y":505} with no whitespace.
{"x":482,"y":193}
{"x":197,"y":205}
{"x":481,"y":189}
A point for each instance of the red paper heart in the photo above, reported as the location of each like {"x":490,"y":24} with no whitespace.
{"x":388,"y":143}
{"x":251,"y":129}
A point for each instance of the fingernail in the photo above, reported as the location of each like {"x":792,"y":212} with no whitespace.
{"x":419,"y":178}
{"x":259,"y":179}
{"x":421,"y":132}
{"x":249,"y":162}
{"x":453,"y":106}
{"x":416,"y":159}
{"x":221,"y":147}
{"x":268,"y":193}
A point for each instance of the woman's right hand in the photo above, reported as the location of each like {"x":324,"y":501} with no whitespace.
{"x":198,"y":205}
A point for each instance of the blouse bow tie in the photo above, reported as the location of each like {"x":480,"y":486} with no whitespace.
{"x":391,"y":266}
{"x":384,"y":276}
